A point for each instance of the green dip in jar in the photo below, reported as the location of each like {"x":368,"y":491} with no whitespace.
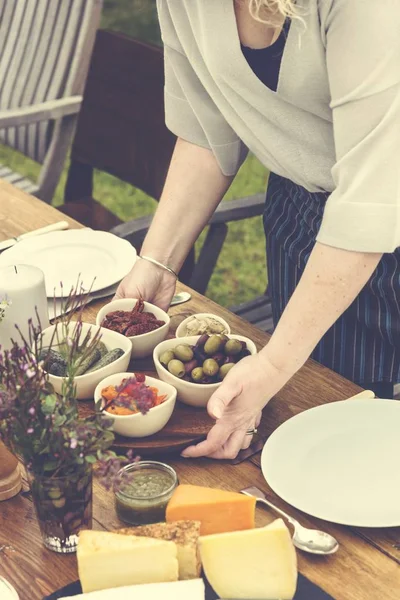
{"x":143,"y":492}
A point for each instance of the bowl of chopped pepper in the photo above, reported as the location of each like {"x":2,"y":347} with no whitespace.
{"x":139,"y":406}
{"x":143,"y":323}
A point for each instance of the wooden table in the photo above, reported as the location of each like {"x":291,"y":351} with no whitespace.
{"x":367,"y":564}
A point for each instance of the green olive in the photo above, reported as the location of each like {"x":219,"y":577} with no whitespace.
{"x":210,"y":367}
{"x":232,"y":347}
{"x":177,"y":368}
{"x":59,"y":502}
{"x":197,"y":374}
{"x":224,"y":370}
{"x":54,"y":493}
{"x":212,"y":345}
{"x":183,"y":352}
{"x":166,"y":357}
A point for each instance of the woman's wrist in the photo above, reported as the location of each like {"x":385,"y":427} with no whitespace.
{"x":283,"y":363}
{"x":170,"y":253}
{"x":160,"y":265}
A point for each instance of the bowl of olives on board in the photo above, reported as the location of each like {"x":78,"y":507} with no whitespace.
{"x":110,"y":355}
{"x":196,"y":365}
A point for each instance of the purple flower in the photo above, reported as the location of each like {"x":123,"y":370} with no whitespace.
{"x":133,"y":394}
{"x":29,"y":430}
{"x":32,"y":411}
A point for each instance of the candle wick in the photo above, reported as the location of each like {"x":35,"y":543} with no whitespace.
{"x":15,"y":269}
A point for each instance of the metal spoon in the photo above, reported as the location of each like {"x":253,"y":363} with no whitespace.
{"x":308,"y":540}
{"x":180,"y":298}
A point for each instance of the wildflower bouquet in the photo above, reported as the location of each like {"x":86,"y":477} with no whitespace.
{"x":58,"y":447}
{"x":4,"y":303}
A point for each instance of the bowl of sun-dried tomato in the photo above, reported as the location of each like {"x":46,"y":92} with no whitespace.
{"x":143,"y":323}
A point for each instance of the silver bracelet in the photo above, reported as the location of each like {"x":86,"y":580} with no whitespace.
{"x":158,"y":264}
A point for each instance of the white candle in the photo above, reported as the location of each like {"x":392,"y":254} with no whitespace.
{"x":22,"y":297}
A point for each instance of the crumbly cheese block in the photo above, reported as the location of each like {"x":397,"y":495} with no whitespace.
{"x":185,"y":534}
{"x":259,"y":563}
{"x":217,"y":510}
{"x":177,"y":590}
{"x":109,"y":560}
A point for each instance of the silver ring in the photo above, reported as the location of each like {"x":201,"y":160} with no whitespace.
{"x":251,"y":431}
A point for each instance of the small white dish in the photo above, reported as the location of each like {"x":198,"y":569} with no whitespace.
{"x":144,"y":344}
{"x":140,"y":425}
{"x":194,"y":394}
{"x":86,"y":384}
{"x":181,"y":330}
{"x":337,"y":462}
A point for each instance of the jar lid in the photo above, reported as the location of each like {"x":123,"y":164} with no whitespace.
{"x":7,"y":592}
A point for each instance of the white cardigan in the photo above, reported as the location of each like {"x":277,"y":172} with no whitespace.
{"x":332,"y":125}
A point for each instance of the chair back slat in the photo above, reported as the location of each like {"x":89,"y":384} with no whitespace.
{"x":2,"y":7}
{"x":41,"y":48}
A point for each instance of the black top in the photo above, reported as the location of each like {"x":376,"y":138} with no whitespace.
{"x":266,"y":62}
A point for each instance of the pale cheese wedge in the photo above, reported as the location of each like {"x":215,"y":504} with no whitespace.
{"x":185,"y":534}
{"x":259,"y":563}
{"x":177,"y":590}
{"x":109,"y":560}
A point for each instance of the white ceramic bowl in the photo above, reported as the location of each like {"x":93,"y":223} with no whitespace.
{"x":181,"y":330}
{"x":144,"y":344}
{"x":86,"y":384}
{"x":141,"y":425}
{"x":194,"y":394}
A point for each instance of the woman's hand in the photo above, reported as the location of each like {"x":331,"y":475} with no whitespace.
{"x":237,"y":406}
{"x":150,"y":282}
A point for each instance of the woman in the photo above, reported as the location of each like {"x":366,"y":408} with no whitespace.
{"x":313,"y":89}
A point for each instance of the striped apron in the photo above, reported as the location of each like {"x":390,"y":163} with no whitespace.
{"x":364,"y":343}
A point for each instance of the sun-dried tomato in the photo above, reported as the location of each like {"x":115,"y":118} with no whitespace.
{"x":135,"y":322}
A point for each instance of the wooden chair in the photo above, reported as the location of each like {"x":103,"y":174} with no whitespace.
{"x":121,"y":130}
{"x":45,"y":48}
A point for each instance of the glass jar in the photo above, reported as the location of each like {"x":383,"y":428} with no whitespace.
{"x":63,"y":506}
{"x":143,"y":490}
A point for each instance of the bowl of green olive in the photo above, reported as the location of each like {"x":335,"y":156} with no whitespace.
{"x":196,"y":365}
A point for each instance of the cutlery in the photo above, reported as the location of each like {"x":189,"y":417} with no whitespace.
{"x":308,"y":540}
{"x":363,"y":394}
{"x":180,"y":298}
{"x":55,"y":308}
{"x":60,"y":226}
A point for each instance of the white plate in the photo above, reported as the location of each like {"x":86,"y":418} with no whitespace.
{"x":7,"y":592}
{"x":339,"y":462}
{"x":64,"y":256}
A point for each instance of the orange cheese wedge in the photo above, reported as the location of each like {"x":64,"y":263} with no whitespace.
{"x":217,"y":510}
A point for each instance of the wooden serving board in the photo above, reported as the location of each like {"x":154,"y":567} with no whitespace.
{"x":187,"y":425}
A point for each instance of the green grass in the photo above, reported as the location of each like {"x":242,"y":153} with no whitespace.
{"x":240,"y":274}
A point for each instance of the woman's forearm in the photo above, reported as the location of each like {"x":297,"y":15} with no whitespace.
{"x":331,"y":281}
{"x":193,"y":189}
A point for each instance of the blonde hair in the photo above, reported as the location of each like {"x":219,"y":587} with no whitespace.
{"x":273,"y":9}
